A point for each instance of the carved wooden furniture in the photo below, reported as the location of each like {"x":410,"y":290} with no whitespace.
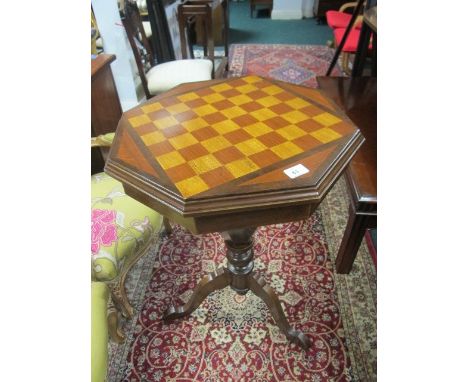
{"x":358,"y":98}
{"x":105,"y":105}
{"x":254,"y":3}
{"x":214,"y":156}
{"x":191,"y":13}
{"x":158,"y":78}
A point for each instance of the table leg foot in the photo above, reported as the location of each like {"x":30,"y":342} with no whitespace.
{"x":259,"y":287}
{"x":167,"y":226}
{"x":219,"y":279}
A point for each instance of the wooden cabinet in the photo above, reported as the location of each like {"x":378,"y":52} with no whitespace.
{"x":105,"y":105}
{"x":322,"y":6}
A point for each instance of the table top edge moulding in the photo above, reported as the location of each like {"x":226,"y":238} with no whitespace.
{"x":316,"y":133}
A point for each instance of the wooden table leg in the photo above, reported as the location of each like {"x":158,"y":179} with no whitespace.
{"x":362,"y":50}
{"x":357,"y":224}
{"x":167,"y":226}
{"x":258,"y":286}
{"x":238,"y":275}
{"x":219,"y":279}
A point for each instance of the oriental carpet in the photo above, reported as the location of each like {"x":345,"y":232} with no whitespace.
{"x":232,"y":337}
{"x":298,"y":64}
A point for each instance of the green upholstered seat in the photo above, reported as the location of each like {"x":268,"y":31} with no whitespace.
{"x":99,"y":331}
{"x":120,"y":226}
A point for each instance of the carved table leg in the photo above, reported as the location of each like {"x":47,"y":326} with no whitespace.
{"x":239,"y":255}
{"x":239,"y":276}
{"x":219,"y":279}
{"x":258,"y":286}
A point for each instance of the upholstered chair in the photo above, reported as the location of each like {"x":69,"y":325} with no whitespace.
{"x":341,"y":19}
{"x":122,"y":231}
{"x":338,"y":21}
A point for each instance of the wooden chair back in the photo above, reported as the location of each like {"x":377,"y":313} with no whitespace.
{"x":140,"y":44}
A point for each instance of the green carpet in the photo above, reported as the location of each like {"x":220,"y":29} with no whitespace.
{"x":247,"y":30}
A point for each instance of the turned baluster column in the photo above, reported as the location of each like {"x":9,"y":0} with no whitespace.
{"x":239,"y":255}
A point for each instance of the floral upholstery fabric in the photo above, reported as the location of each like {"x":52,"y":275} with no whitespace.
{"x":120,"y":226}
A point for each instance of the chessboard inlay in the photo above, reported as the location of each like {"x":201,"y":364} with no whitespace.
{"x":213,"y":135}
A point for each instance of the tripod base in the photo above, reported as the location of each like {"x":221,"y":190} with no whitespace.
{"x":238,"y":275}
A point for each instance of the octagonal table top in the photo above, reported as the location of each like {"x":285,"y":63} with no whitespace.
{"x":232,"y":144}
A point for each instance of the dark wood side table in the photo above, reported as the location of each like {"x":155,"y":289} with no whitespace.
{"x":228,"y":156}
{"x":358,"y":98}
{"x":105,"y":105}
{"x":220,"y":23}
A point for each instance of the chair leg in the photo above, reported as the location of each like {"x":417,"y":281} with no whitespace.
{"x":119,"y":297}
{"x":345,"y":56}
{"x":115,"y":330}
{"x":167,"y":226}
{"x":120,"y":303}
{"x":119,"y":293}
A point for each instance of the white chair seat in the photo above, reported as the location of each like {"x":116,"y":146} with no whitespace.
{"x":167,"y":75}
{"x":99,"y":43}
{"x":147,"y":28}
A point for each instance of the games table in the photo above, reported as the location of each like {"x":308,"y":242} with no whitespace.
{"x":228,"y":156}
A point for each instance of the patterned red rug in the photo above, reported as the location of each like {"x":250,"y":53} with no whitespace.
{"x":232,"y":337}
{"x":298,"y":64}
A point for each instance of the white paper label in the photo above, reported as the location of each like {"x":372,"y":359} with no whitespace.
{"x":295,"y":171}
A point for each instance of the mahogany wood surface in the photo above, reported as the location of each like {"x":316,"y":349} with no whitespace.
{"x":220,"y":22}
{"x":105,"y":106}
{"x":197,"y":13}
{"x":358,"y":98}
{"x":175,"y":153}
